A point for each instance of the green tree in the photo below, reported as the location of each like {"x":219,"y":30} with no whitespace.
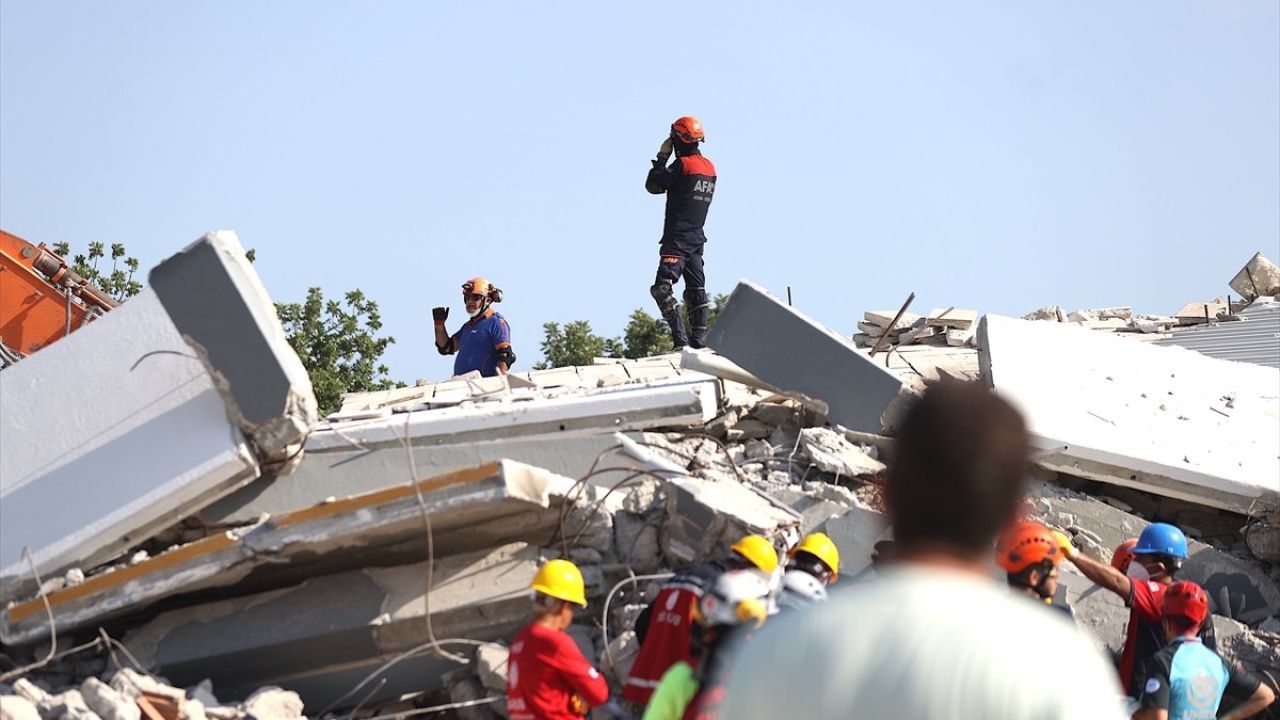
{"x":117,"y":283}
{"x":645,"y":335}
{"x":576,"y":344}
{"x":338,"y":344}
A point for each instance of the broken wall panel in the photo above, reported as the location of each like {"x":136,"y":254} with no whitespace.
{"x":89,"y":423}
{"x":320,"y":637}
{"x":1162,"y":419}
{"x":704,"y":517}
{"x":787,"y":349}
{"x":474,"y":508}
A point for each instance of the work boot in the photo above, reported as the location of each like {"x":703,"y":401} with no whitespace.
{"x":676,"y":323}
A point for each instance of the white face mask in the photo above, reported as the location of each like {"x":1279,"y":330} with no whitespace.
{"x":1137,"y":571}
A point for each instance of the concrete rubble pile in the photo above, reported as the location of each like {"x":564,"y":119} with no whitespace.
{"x":377,"y":560}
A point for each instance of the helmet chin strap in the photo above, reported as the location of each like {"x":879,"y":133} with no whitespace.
{"x":480,"y":309}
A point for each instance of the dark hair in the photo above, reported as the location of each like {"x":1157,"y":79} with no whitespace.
{"x":1181,"y":625}
{"x":961,"y":461}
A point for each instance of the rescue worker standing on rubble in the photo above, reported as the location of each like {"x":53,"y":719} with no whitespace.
{"x":812,"y":565}
{"x":483,"y":343}
{"x":933,"y":637}
{"x":663,"y":629}
{"x":690,"y":184}
{"x":735,"y":604}
{"x":547,"y":677}
{"x":1029,"y":553}
{"x":1158,"y":556}
{"x":1185,"y":680}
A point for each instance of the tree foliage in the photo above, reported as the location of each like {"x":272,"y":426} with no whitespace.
{"x":338,"y":344}
{"x":117,"y":283}
{"x":643,"y":336}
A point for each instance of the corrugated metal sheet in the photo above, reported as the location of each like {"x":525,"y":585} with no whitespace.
{"x":1253,"y":339}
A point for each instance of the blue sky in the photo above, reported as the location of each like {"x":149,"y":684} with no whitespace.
{"x":995,"y":155}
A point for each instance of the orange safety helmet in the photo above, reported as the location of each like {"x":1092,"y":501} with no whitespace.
{"x":479,"y":285}
{"x":688,"y":130}
{"x":1186,"y":599}
{"x":1026,"y":544}
{"x":1124,"y":555}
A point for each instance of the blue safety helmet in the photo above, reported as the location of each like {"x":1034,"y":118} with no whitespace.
{"x":1162,"y":539}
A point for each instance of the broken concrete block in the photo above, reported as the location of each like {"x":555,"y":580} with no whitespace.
{"x":108,"y":703}
{"x":883,"y":318}
{"x":637,"y":542}
{"x":950,"y":317}
{"x":776,"y":413}
{"x":960,"y":338}
{"x":1201,"y":312}
{"x":1049,"y":312}
{"x":1140,"y":415}
{"x":856,"y":532}
{"x":1119,"y":312}
{"x":1258,"y":278}
{"x":202,"y":692}
{"x":860,"y":394}
{"x":870,"y":329}
{"x":31,"y":692}
{"x":16,"y":707}
{"x":704,"y":518}
{"x":1264,"y":541}
{"x":323,"y":636}
{"x":918,"y":334}
{"x":831,"y":453}
{"x":273,"y":703}
{"x":491,"y":666}
{"x":68,"y":705}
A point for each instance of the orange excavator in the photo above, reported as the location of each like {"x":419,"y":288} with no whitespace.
{"x":41,"y":298}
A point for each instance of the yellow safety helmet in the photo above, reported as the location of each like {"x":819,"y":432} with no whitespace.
{"x":759,"y":551}
{"x":561,"y":580}
{"x":820,"y":546}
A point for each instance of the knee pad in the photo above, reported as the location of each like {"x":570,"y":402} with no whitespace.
{"x":695,"y":298}
{"x":663,"y":294}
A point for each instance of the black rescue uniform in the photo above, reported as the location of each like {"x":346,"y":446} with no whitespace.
{"x":690,"y":183}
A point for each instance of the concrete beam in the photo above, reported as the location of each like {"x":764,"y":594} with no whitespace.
{"x":217,"y":303}
{"x":798,"y":354}
{"x":474,"y":508}
{"x":349,"y":470}
{"x":321,"y":637}
{"x":1162,"y":419}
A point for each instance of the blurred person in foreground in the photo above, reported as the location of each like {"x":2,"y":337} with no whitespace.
{"x":1186,"y":680}
{"x":935,"y":635}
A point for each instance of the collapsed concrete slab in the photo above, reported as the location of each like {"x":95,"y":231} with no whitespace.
{"x":860,"y":394}
{"x":92,"y":418}
{"x":1161,"y":419}
{"x":1258,"y":278}
{"x":322,"y":637}
{"x":470,"y":509}
{"x":564,"y":433}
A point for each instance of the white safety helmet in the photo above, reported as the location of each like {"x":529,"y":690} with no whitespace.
{"x":735,"y":598}
{"x":800,"y":590}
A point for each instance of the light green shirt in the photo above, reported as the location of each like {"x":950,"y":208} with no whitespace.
{"x":676,"y":688}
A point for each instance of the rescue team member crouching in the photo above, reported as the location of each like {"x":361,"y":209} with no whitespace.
{"x":1186,"y":680}
{"x":690,"y":184}
{"x":736,"y":604}
{"x":483,"y":343}
{"x":1158,"y":556}
{"x":812,"y":565}
{"x":547,"y":677}
{"x":663,"y":629}
{"x":1029,"y":553}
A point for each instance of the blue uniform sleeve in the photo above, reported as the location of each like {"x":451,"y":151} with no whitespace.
{"x":1155,"y":688}
{"x":501,"y":335}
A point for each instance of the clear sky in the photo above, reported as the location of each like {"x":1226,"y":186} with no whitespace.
{"x":994,"y":155}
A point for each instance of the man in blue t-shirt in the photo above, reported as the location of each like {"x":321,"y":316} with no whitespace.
{"x":483,"y":343}
{"x":1186,"y":680}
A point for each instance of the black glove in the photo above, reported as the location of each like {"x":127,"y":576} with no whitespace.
{"x":439,"y":314}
